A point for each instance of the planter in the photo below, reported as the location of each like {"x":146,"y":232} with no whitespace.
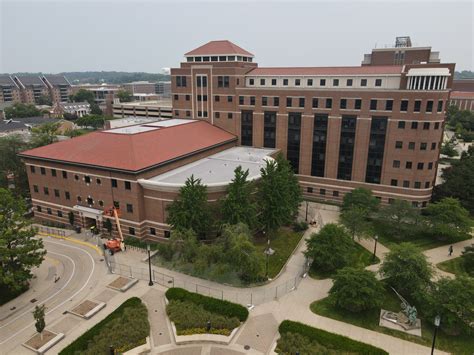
{"x":41,"y":346}
{"x":203,"y":338}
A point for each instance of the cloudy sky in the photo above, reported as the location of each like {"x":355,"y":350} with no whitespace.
{"x":56,"y":36}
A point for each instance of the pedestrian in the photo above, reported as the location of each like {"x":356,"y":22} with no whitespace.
{"x":450,"y":250}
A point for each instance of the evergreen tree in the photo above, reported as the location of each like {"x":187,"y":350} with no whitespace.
{"x":237,"y":206}
{"x":290,"y":186}
{"x":190,"y":210}
{"x":19,"y":250}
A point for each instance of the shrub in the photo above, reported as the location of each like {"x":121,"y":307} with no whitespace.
{"x":356,"y":290}
{"x":300,"y":226}
{"x":467,"y":258}
{"x":328,"y":340}
{"x":187,"y":315}
{"x":213,"y":305}
{"x":125,"y":328}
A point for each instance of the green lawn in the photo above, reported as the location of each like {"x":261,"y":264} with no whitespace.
{"x":125,"y":328}
{"x":454,"y":266}
{"x":283,"y":241}
{"x":460,"y":344}
{"x":360,"y":258}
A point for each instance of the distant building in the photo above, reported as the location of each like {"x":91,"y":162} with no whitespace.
{"x":59,"y":87}
{"x":23,"y":126}
{"x":78,"y":109}
{"x":32,"y":88}
{"x":29,"y":88}
{"x":462,"y":95}
{"x":145,"y":97}
{"x":129,"y":121}
{"x":163,"y":88}
{"x":100,"y":91}
{"x":160,"y":109}
{"x":140,"y":87}
{"x":9,"y":90}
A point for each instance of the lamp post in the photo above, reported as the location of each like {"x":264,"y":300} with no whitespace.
{"x":149,"y":264}
{"x":437,"y":321}
{"x":375,"y":247}
{"x":306,"y":215}
{"x":268,"y":251}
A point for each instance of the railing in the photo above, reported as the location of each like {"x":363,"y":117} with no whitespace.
{"x":51,"y":230}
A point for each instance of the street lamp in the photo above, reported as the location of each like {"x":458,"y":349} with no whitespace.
{"x":268,"y":251}
{"x":437,"y":321}
{"x":149,"y":264}
{"x":375,"y":247}
{"x":306,"y":216}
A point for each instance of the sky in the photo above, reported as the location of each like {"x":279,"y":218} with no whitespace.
{"x":58,"y":36}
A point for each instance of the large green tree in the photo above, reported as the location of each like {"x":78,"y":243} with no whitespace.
{"x":94,"y":121}
{"x":44,"y":134}
{"x":124,"y":96}
{"x":83,"y":95}
{"x":406,"y":269}
{"x":10,"y":163}
{"x":19,"y":110}
{"x":362,"y":198}
{"x":356,"y":290}
{"x":190,"y":210}
{"x":330,"y":248}
{"x":400,"y":219}
{"x":19,"y":250}
{"x":447,"y":219}
{"x":238,"y":206}
{"x":356,"y":222}
{"x":467,"y":257}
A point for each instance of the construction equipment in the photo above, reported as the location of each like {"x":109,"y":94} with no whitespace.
{"x":114,"y":244}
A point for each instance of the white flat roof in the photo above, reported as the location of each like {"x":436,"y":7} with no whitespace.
{"x":169,"y":123}
{"x":131,"y":129}
{"x":214,"y":171}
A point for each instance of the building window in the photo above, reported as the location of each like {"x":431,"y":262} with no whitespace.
{"x":117,"y":204}
{"x":32,"y":169}
{"x":168,"y":233}
{"x":335,"y":193}
{"x":346,"y":147}
{"x":60,"y":213}
{"x":217,"y":115}
{"x":285,"y":82}
{"x":229,"y":98}
{"x":335,"y":82}
{"x":188,"y":113}
{"x":223,"y":81}
{"x":64,"y":174}
{"x":56,"y":193}
{"x":349,"y":82}
{"x":396,"y":163}
{"x":46,"y":190}
{"x":129,"y":208}
{"x":426,"y":125}
{"x":322,"y":82}
{"x":389,"y":105}
{"x":427,"y":185}
{"x":264,"y":101}
{"x":414,"y":125}
{"x":98,"y":181}
{"x":241,"y":100}
{"x":152,"y":231}
{"x":79,"y":198}
{"x":430,"y":166}
{"x":394,"y":182}
{"x":363,"y":82}
{"x":401,"y":124}
{"x":294,"y":140}
{"x":343,"y":104}
{"x":35,"y":188}
{"x":309,"y":190}
{"x":38,"y":208}
{"x":131,"y":230}
{"x":205,"y":113}
{"x":276,"y":101}
{"x":67,"y":195}
{"x":423,"y":146}
{"x":436,"y":126}
{"x":433,"y":146}
{"x":297,"y":82}
{"x":269,"y":129}
{"x":87,"y":179}
{"x":176,"y":97}
{"x":315,"y":102}
{"x":217,"y":98}
{"x":288,"y":101}
{"x":49,"y":211}
{"x":90,"y":201}
{"x":408,"y":165}
{"x":251,"y":82}
{"x":378,"y":82}
{"x":406,"y":183}
{"x":328,"y":103}
{"x":440,"y":106}
{"x":429,"y":106}
{"x":319,"y":144}
{"x":357,"y":104}
{"x":114,"y":182}
{"x":404,"y":105}
{"x":322,"y":192}
{"x":246,"y":128}
{"x":262,"y":81}
{"x":181,"y":81}
{"x":43,"y":171}
{"x":309,"y":82}
{"x":373,"y":104}
{"x":53,"y":172}
{"x":274,"y":82}
{"x":417,"y":107}
{"x":420,"y":166}
{"x":128,"y":185}
{"x":301,"y":102}
{"x":378,"y":130}
{"x":229,"y":115}
{"x":417,"y":185}
{"x":391,"y":201}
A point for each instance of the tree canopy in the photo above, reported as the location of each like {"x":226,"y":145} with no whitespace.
{"x":124,"y":96}
{"x":400,"y":219}
{"x":10,"y":162}
{"x":94,"y":121}
{"x":20,"y":110}
{"x":362,"y":198}
{"x":44,"y":134}
{"x":83,"y":95}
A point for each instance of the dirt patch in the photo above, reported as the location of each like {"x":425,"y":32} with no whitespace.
{"x":119,"y":282}
{"x":85,"y":307}
{"x":36,"y":342}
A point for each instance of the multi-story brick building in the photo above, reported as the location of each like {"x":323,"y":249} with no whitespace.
{"x":462,"y":94}
{"x":374,"y":126}
{"x":9,"y":90}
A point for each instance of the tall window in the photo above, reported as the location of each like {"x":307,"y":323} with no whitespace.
{"x":346,"y":147}
{"x":269,"y":129}
{"x":319,"y":145}
{"x":378,"y":129}
{"x":246,"y":130}
{"x":294,"y":140}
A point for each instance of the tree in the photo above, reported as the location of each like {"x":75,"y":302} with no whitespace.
{"x":94,"y":121}
{"x":406,"y":269}
{"x":124,"y":96}
{"x":467,"y":258}
{"x":356,"y":290}
{"x":10,"y":163}
{"x":44,"y":134}
{"x":19,"y":250}
{"x":44,"y":100}
{"x":237,"y":206}
{"x":453,"y":301}
{"x":38,"y":315}
{"x":458,"y":182}
{"x":448,"y":148}
{"x":19,"y":110}
{"x":448,"y":219}
{"x":95,"y":109}
{"x":330,"y":248}
{"x":400,"y":219}
{"x":290,"y":186}
{"x":184,"y":244}
{"x":355,"y":220}
{"x":190,"y":210}
{"x":83,"y":95}
{"x":362,"y":198}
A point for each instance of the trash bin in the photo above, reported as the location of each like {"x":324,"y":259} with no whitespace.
{"x":78,"y":229}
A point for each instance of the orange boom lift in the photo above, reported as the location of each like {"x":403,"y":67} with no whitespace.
{"x":114,"y":244}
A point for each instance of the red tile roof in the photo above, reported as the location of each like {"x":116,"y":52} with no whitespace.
{"x":219,"y":47}
{"x":362,"y":70}
{"x":462,"y":95}
{"x":134,"y":152}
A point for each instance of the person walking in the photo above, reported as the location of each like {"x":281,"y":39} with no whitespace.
{"x":450,"y":250}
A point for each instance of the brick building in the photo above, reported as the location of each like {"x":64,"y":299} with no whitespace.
{"x":462,"y":94}
{"x":374,"y":126}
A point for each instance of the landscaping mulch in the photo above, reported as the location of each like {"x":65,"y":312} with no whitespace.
{"x":119,"y":282}
{"x":85,"y":307}
{"x":36,"y":342}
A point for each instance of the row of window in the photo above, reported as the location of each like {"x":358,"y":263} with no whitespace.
{"x":414,"y":125}
{"x":406,"y":184}
{"x":412,"y":145}
{"x":87,"y":178}
{"x":409,"y":165}
{"x":220,"y":58}
{"x":311,"y":82}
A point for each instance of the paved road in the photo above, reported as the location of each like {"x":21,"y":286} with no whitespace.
{"x":79,"y":270}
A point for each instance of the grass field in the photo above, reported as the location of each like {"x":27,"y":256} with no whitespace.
{"x":461,"y":344}
{"x":454,"y":266}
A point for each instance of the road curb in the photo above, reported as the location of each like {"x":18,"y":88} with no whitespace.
{"x":73,"y":240}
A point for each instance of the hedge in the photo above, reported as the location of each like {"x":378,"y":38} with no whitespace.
{"x":82,"y":343}
{"x":329,"y":340}
{"x":210,"y":304}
